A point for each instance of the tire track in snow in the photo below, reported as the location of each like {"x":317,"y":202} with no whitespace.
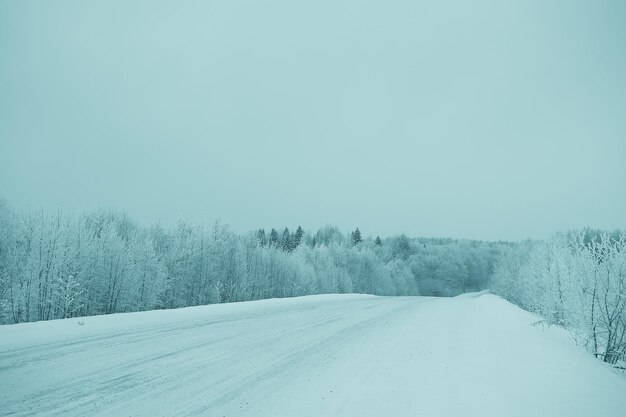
{"x":181,"y":362}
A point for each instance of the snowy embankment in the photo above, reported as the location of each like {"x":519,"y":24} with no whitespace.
{"x":337,"y":355}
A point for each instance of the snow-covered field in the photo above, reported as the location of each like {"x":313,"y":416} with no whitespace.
{"x":337,"y":355}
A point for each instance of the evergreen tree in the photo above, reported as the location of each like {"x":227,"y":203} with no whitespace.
{"x":378,"y":242}
{"x":402,"y":247}
{"x":287,"y":240}
{"x":356,"y":237}
{"x":298,"y":237}
{"x":274,"y":238}
{"x":261,"y":237}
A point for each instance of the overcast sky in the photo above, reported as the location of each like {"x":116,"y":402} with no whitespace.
{"x":479,"y":119}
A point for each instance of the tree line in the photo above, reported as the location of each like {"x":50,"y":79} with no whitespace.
{"x":576,"y":280}
{"x":55,"y":265}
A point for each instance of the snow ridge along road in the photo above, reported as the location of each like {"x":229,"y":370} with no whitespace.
{"x":328,"y":355}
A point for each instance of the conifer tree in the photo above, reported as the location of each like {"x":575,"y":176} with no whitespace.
{"x":298,"y":237}
{"x":287,"y":240}
{"x":274,"y":238}
{"x":261,"y":237}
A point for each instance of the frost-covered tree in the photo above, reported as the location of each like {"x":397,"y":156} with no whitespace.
{"x":261,"y":237}
{"x":572,"y":280}
{"x":287,"y":242}
{"x":401,"y":247}
{"x":67,"y":292}
{"x":56,"y":266}
{"x":356,"y":237}
{"x":274,"y":238}
{"x":297,"y":239}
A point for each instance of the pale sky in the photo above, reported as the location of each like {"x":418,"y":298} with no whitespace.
{"x":482,"y":119}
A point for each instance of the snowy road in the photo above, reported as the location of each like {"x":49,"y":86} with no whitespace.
{"x":308,"y":356}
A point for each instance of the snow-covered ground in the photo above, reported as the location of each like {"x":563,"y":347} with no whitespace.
{"x":337,"y":355}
